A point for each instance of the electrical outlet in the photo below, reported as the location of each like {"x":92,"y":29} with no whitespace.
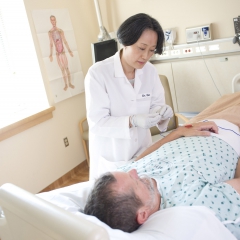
{"x":214,"y":47}
{"x":187,"y":50}
{"x":164,"y":54}
{"x":223,"y":59}
{"x":199,"y":34}
{"x":201,"y":49}
{"x":158,"y":56}
{"x":66,"y":143}
{"x":175,"y":52}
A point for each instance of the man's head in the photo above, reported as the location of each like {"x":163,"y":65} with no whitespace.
{"x":123,"y":200}
{"x":53,"y":20}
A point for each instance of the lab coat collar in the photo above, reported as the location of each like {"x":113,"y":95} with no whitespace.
{"x":118,"y":67}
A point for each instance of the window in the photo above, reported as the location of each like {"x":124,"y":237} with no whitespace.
{"x":22,"y":91}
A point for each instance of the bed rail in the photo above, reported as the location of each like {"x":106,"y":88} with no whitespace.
{"x":25,"y":216}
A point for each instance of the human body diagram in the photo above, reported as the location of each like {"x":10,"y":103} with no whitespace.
{"x":57,"y":39}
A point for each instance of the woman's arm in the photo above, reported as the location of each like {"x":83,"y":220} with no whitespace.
{"x":196,"y":129}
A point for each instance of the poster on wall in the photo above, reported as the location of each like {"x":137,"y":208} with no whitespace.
{"x":59,"y":52}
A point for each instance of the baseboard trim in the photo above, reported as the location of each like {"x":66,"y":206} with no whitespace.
{"x":66,"y":177}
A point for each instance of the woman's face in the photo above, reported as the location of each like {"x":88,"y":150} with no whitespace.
{"x":139,"y":53}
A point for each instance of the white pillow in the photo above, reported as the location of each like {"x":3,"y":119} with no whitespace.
{"x":228,"y":132}
{"x":180,"y":223}
{"x":71,"y":198}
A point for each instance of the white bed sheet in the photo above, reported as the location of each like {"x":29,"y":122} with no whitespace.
{"x":179,"y":223}
{"x":228,"y":132}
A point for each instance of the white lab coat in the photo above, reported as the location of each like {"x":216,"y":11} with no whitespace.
{"x":110,"y":100}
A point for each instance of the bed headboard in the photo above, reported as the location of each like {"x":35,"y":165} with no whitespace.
{"x":236,"y":83}
{"x":25,"y":216}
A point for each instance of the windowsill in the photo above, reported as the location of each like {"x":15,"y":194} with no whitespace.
{"x":26,"y":123}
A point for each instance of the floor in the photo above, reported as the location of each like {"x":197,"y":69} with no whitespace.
{"x":80,"y":176}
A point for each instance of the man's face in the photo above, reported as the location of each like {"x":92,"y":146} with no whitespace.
{"x":144,"y":187}
{"x":53,"y":21}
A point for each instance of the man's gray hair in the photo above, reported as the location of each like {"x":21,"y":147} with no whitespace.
{"x":117,"y":210}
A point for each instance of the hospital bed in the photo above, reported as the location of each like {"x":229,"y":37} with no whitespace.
{"x":57,"y":215}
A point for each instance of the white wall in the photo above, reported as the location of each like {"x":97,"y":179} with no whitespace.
{"x":192,"y":87}
{"x":35,"y":158}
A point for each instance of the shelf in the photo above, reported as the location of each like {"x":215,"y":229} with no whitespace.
{"x":213,"y":48}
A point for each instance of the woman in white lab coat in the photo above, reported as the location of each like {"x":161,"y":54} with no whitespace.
{"x":124,"y":96}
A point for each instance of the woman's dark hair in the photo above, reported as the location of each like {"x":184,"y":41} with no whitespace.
{"x":119,"y":211}
{"x":132,"y":28}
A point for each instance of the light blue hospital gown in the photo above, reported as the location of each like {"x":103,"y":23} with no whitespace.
{"x":190,"y":171}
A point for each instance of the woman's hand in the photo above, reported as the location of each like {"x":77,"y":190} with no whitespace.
{"x":198,"y":129}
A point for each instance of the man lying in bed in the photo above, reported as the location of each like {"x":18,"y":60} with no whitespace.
{"x":192,"y":166}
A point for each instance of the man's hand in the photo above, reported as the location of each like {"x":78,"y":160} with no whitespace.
{"x":198,"y":129}
{"x":51,"y":58}
{"x":145,"y":120}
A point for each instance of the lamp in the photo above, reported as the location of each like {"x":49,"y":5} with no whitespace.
{"x":103,"y":35}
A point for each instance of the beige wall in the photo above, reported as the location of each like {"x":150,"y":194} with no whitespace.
{"x":35,"y":158}
{"x":177,"y":14}
{"x":192,"y":87}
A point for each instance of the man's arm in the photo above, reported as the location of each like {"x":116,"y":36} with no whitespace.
{"x":196,"y":129}
{"x":235,"y":183}
{"x":237,"y":171}
{"x":66,"y":43}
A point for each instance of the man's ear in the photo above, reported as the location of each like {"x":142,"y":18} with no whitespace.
{"x":142,"y":215}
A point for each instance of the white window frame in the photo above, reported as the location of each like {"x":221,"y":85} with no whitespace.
{"x":23,"y":99}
